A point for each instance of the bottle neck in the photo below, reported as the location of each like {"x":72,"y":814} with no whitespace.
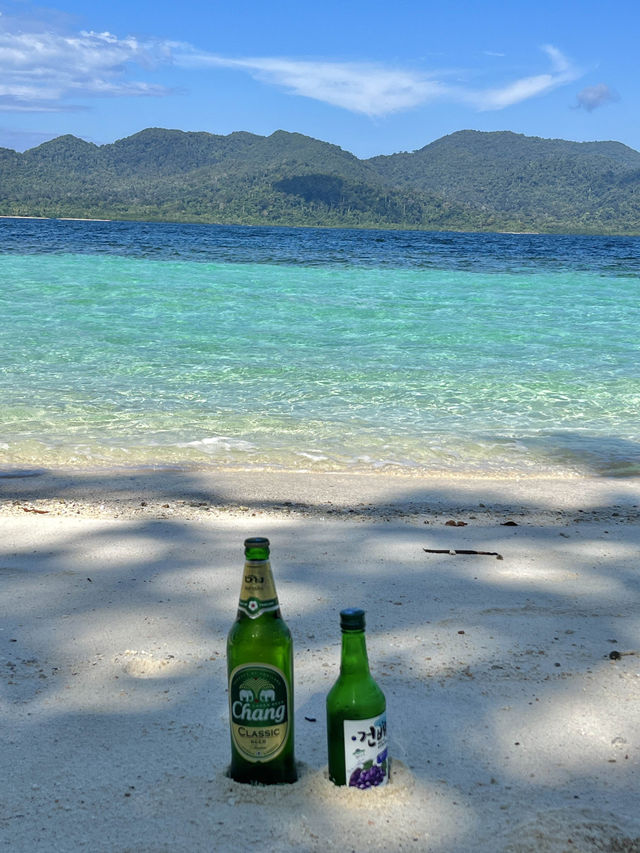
{"x":258,"y":592}
{"x":354,"y":658}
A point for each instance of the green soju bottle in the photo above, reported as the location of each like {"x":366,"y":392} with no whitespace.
{"x":260,"y":671}
{"x":356,"y":714}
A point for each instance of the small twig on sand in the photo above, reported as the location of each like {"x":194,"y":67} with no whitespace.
{"x":455,"y":551}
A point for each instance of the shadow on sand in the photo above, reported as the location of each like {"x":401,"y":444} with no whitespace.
{"x":503,"y":703}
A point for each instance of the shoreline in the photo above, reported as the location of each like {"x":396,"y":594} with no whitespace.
{"x":55,"y":218}
{"x":560,"y":232}
{"x":196,"y":492}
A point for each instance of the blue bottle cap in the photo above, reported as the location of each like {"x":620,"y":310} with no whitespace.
{"x":352,"y":619}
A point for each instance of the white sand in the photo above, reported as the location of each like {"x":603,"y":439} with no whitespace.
{"x":511,"y":729}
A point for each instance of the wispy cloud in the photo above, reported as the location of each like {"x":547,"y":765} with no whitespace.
{"x":377,"y":90}
{"x":45,"y":70}
{"x":593,"y":97}
{"x":522,"y":89}
{"x":358,"y":87}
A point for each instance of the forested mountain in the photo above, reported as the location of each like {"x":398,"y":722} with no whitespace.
{"x":549,"y":183}
{"x":466,"y":181}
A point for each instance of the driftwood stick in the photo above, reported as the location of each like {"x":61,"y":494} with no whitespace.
{"x":455,"y":551}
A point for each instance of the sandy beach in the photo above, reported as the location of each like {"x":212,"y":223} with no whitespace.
{"x":512,"y":672}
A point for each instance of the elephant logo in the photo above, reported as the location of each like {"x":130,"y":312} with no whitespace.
{"x":246,"y":695}
{"x":267,"y":695}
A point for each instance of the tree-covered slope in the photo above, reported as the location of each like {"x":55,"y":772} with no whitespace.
{"x":240,"y":178}
{"x":546,"y":182}
{"x":466,"y":181}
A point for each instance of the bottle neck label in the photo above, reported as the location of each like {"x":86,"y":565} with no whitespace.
{"x":259,"y":700}
{"x":366,"y":759}
{"x":258,"y":594}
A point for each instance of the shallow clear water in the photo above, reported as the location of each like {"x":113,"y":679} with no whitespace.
{"x":148,"y":343}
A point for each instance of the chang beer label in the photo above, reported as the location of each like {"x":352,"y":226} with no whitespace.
{"x":259,"y":711}
{"x":366,"y":758}
{"x":258,"y":594}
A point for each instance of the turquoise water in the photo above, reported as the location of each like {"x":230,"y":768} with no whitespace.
{"x":134,"y":343}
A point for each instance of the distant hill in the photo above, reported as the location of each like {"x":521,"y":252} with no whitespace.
{"x":547,"y":184}
{"x":466,"y":181}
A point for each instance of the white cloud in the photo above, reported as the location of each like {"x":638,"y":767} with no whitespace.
{"x":376,"y":90}
{"x":593,"y":97}
{"x":41,"y":70}
{"x":559,"y":61}
{"x":358,"y":87}
{"x":47,"y":70}
{"x":511,"y":93}
{"x":524,"y":88}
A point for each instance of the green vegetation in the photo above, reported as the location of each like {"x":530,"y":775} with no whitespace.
{"x":468,"y":181}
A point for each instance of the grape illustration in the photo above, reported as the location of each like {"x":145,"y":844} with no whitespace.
{"x":367,"y":777}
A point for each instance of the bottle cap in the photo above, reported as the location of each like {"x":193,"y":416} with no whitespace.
{"x":256,"y":548}
{"x":352,"y":619}
{"x":256,"y":542}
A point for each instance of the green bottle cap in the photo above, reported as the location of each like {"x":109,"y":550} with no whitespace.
{"x":352,"y":619}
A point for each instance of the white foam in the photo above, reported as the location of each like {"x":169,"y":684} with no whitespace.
{"x":222,"y":442}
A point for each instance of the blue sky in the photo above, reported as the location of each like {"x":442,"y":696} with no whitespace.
{"x":372,"y":77}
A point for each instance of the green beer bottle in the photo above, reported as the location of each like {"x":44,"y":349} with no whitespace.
{"x":356,"y":714}
{"x":260,"y":672}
